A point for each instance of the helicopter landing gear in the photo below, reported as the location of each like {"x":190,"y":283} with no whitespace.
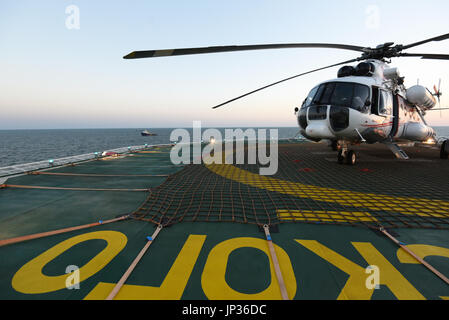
{"x":346,"y":156}
{"x":340,"y":157}
{"x":334,"y":145}
{"x":351,"y":158}
{"x":444,"y":152}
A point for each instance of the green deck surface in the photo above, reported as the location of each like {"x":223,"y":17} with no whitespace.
{"x":209,"y":260}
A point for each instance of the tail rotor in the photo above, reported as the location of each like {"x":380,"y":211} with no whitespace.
{"x":438,"y":94}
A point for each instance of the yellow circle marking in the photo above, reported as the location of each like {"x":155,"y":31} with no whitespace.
{"x":371,"y":201}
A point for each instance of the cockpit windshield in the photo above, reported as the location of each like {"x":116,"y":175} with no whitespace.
{"x":344,"y":94}
{"x":309,"y":98}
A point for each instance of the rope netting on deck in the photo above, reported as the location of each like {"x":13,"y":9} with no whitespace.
{"x":309,"y":187}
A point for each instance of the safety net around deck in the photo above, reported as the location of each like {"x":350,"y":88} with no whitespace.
{"x":309,"y":187}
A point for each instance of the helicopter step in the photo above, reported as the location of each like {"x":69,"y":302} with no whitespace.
{"x":398,"y":152}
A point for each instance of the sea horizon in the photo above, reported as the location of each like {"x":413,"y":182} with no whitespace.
{"x":182,"y":127}
{"x":19,"y":146}
{"x":142,"y":128}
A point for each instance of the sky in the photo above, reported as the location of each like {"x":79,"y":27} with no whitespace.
{"x":57,"y":71}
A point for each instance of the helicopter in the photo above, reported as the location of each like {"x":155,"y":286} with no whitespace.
{"x":366,"y":103}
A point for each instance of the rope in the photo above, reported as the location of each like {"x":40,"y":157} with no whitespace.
{"x":95,"y":175}
{"x":51,"y":233}
{"x":427,"y":265}
{"x":72,"y":189}
{"x":277,"y":268}
{"x":125,"y":276}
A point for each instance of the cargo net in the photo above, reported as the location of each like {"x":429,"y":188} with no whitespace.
{"x":309,"y":187}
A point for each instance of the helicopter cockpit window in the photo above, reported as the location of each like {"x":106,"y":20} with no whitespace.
{"x":360,"y":99}
{"x":309,"y":98}
{"x":344,"y":94}
{"x":327,"y":93}
{"x":385,"y":103}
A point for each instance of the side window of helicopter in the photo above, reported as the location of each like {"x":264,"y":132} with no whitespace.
{"x":310,"y":97}
{"x":385,"y":103}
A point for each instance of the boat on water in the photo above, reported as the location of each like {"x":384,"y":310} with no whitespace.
{"x":147,"y":133}
{"x":222,"y":231}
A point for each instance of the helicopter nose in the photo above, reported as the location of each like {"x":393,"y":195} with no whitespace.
{"x":319,"y":129}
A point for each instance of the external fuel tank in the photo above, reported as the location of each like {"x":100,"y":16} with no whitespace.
{"x":421,"y":96}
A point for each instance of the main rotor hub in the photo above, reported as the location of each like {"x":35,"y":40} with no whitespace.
{"x":383,"y":51}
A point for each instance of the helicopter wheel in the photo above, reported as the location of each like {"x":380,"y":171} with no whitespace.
{"x":340,"y":157}
{"x":443,"y":153}
{"x":351,"y":158}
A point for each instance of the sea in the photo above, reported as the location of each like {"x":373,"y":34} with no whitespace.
{"x":25,"y":146}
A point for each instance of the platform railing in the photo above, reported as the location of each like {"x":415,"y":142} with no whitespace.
{"x":52,"y":163}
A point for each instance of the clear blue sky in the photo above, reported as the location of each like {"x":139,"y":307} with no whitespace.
{"x":53,"y":77}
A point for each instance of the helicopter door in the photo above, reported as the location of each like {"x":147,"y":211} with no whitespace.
{"x":385,"y":103}
{"x":375,"y":101}
{"x":395,"y":127}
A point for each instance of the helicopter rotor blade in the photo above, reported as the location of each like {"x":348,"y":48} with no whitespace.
{"x":201,"y":50}
{"x":436,"y":56}
{"x":283,"y":80}
{"x":439,"y":38}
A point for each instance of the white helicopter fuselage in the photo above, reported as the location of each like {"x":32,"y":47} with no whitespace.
{"x":385,"y":114}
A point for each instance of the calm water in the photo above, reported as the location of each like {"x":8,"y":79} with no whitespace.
{"x":24,"y":146}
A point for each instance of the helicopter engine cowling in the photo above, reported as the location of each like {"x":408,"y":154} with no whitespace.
{"x":421,"y":96}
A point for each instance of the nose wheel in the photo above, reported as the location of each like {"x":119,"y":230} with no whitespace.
{"x":348,"y":157}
